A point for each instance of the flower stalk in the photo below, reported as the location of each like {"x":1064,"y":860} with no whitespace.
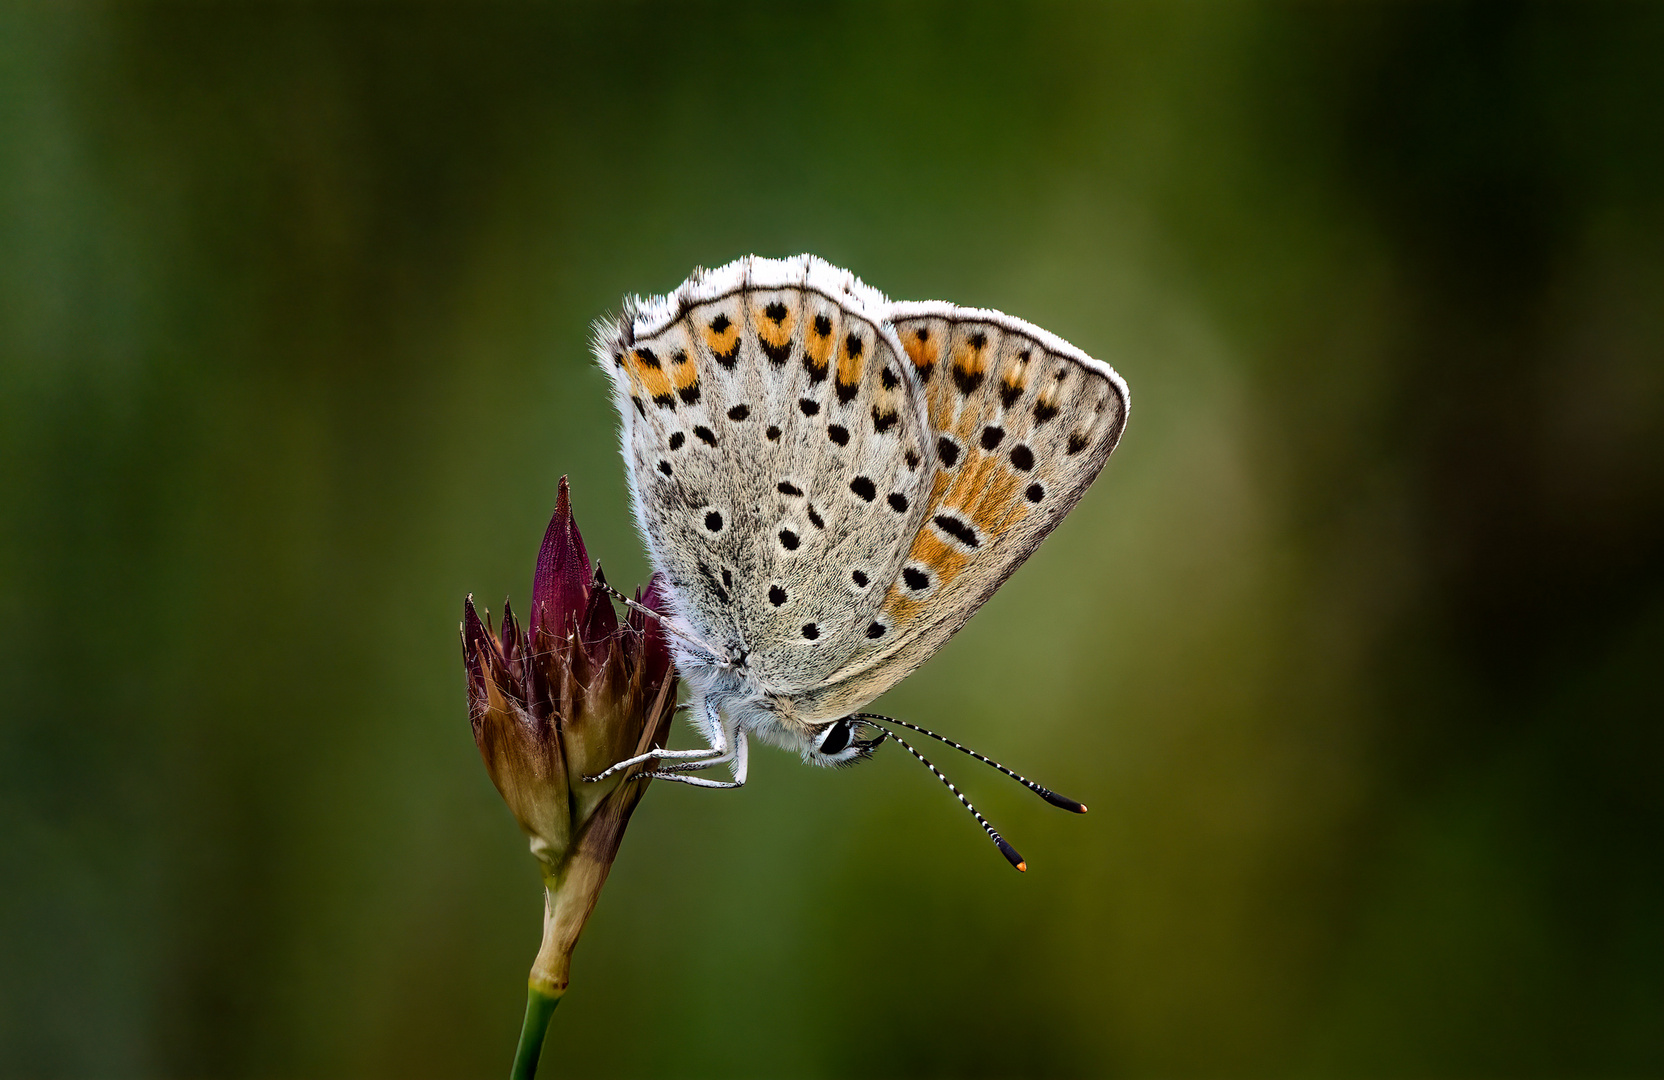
{"x":571,"y":695}
{"x":539,"y":1008}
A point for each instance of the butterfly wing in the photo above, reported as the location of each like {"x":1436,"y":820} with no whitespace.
{"x":1022,"y":422}
{"x":778,"y":458}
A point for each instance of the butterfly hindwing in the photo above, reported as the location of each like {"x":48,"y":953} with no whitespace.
{"x":778,"y":458}
{"x":1021,"y":423}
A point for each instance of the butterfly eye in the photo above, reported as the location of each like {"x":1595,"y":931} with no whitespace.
{"x":837,"y":737}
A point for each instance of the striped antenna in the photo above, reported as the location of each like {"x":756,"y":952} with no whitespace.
{"x":1006,"y":849}
{"x":1044,"y":792}
{"x":665,"y":624}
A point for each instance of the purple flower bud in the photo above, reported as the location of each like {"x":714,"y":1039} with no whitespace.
{"x":560,"y":585}
{"x":577,"y":694}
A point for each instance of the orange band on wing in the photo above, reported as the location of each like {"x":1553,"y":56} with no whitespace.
{"x":925,"y":351}
{"x":722,"y":343}
{"x":775,"y":332}
{"x":683,"y":372}
{"x":1000,"y":506}
{"x":818,"y":348}
{"x":645,"y":366}
{"x":850,"y":352}
{"x":970,"y":362}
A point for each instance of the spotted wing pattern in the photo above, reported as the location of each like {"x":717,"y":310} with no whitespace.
{"x":1021,"y":422}
{"x":779,"y":459}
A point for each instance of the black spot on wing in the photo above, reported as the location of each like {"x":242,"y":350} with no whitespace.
{"x":1022,"y":457}
{"x":776,"y":595}
{"x":789,"y":540}
{"x":786,"y":487}
{"x":664,"y":467}
{"x":967,"y":381}
{"x":1035,"y":493}
{"x":875,"y":630}
{"x":809,"y":406}
{"x":811,"y":631}
{"x":823,"y":325}
{"x":948,"y":451}
{"x":838,"y":434}
{"x":991,"y":436}
{"x":739,"y":412}
{"x":1077,"y":443}
{"x":713,"y":521}
{"x":779,"y":354}
{"x":677,"y":439}
{"x":689,"y":394}
{"x":865,"y":488}
{"x":1043,"y":412}
{"x":957,"y":528}
{"x":898,"y":502}
{"x":882,"y":422}
{"x":772,"y":433}
{"x":704,"y":435}
{"x":915,"y":579}
{"x":776,"y":313}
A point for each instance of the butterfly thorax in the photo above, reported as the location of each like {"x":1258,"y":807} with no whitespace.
{"x":728,"y":696}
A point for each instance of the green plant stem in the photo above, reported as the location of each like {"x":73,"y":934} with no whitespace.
{"x":539,"y":1007}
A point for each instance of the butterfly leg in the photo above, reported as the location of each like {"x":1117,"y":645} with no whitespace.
{"x":718,"y":750}
{"x":729,"y":736}
{"x":740,"y":757}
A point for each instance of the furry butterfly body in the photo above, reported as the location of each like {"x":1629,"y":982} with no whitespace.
{"x":834,"y":483}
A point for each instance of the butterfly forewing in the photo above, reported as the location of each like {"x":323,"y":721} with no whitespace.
{"x":778,"y":458}
{"x":1021,"y":423}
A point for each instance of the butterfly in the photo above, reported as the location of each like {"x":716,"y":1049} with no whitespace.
{"x":832,"y":483}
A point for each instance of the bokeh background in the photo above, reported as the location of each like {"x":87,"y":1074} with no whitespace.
{"x":1354,"y":649}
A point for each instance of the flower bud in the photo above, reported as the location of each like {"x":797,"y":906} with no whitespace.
{"x":575,"y":693}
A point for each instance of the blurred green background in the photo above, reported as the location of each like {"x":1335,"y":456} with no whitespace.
{"x":1354,"y":649}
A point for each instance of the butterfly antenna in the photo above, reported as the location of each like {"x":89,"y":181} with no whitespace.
{"x":1044,"y":792}
{"x":601,"y":583}
{"x":1006,"y":849}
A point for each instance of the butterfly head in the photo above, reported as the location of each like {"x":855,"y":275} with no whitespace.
{"x":838,"y":744}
